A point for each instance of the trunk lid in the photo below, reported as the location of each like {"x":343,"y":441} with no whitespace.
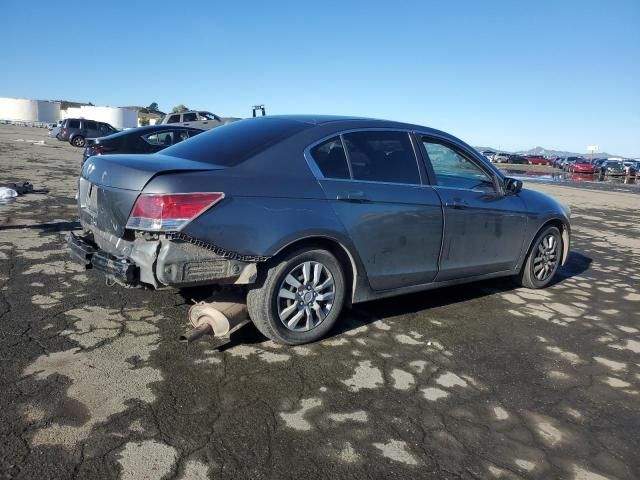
{"x":133,"y":172}
{"x":110,"y":185}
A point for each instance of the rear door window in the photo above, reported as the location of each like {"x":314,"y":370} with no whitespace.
{"x":174,"y":119}
{"x":74,"y":124}
{"x":231,"y":144}
{"x":331,"y":159}
{"x":189,"y":117}
{"x":164,"y":138}
{"x":382,"y":156}
{"x":90,"y":125}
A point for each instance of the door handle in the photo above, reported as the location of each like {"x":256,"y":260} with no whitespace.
{"x":457,"y":204}
{"x":353,"y":197}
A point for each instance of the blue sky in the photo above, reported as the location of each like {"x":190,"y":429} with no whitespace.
{"x":561,"y":74}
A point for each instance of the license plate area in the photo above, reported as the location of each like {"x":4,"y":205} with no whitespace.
{"x":88,"y":197}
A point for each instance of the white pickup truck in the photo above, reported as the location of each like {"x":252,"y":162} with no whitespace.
{"x":197,"y":119}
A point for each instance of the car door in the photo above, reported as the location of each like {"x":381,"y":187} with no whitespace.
{"x":91,"y":129}
{"x":189,"y":119}
{"x":374,"y":183}
{"x":483,"y":227}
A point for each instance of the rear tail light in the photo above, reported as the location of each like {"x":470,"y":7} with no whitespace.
{"x":169,"y":212}
{"x":98,"y":150}
{"x":64,"y":131}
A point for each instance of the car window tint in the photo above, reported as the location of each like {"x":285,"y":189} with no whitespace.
{"x":180,"y":135}
{"x":152,"y":139}
{"x":189,"y":117}
{"x":165,"y":138}
{"x":174,"y":119}
{"x":234,"y":143}
{"x":193,"y":133}
{"x":382,"y":157}
{"x":74,"y":123}
{"x":453,"y":169}
{"x":90,"y":125}
{"x":331,"y":159}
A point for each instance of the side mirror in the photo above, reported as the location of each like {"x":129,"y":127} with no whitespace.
{"x":512,"y":186}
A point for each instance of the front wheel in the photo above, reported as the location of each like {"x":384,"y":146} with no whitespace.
{"x":298,"y":299}
{"x":78,"y":141}
{"x":543,"y":260}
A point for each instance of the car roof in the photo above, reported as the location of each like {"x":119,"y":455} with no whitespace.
{"x":351,"y":122}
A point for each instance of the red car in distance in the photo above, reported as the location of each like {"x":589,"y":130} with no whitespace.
{"x":582,"y":166}
{"x":538,"y":160}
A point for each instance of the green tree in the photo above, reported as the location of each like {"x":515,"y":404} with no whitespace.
{"x":179,"y":109}
{"x":144,"y":121}
{"x":153,"y":107}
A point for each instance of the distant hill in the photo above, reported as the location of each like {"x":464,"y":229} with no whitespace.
{"x":549,"y":152}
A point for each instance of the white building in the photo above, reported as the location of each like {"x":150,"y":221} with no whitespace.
{"x":24,"y":110}
{"x":115,"y":116}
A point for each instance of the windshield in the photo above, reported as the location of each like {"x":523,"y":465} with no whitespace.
{"x":614,"y":164}
{"x":232,"y":144}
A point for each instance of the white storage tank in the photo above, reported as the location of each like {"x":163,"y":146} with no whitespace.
{"x":24,"y":110}
{"x":116,"y":116}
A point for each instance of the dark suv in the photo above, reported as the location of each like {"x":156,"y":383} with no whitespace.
{"x":76,"y":130}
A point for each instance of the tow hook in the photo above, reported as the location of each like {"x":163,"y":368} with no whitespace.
{"x":219,"y":319}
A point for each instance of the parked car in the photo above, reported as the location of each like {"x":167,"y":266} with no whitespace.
{"x":197,"y":119}
{"x":557,"y":163}
{"x":309,"y":213}
{"x":630,"y":167}
{"x":489,"y":154}
{"x":538,"y":160}
{"x":77,"y":130}
{"x":597,"y":163}
{"x":149,"y":139}
{"x":501,"y":157}
{"x":581,"y":165}
{"x":566,"y":165}
{"x":517,"y":160}
{"x":54,"y":129}
{"x":612,"y":167}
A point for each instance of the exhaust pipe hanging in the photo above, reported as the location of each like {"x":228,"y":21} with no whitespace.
{"x":219,"y":319}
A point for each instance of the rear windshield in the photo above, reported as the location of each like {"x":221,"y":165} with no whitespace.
{"x":234,"y":143}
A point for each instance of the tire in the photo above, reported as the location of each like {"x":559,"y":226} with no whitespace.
{"x":307,"y":323}
{"x":542,"y":253}
{"x":78,"y":141}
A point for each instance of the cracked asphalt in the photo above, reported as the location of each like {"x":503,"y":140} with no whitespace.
{"x":476,"y":381}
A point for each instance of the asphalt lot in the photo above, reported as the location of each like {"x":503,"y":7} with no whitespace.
{"x":477,"y":381}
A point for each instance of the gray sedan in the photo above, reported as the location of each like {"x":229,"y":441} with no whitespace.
{"x":308,"y":213}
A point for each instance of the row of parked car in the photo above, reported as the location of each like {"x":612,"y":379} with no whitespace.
{"x":78,"y":131}
{"x":515,"y":159}
{"x":601,"y":166}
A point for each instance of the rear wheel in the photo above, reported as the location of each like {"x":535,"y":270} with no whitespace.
{"x":298,"y":298}
{"x":543,"y":260}
{"x":77,"y":141}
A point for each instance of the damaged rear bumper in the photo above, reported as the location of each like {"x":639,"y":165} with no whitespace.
{"x":158,"y":262}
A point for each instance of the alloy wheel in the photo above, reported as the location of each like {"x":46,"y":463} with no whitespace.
{"x":545,"y":261}
{"x":306,"y":296}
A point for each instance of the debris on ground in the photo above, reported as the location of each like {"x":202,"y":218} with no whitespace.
{"x":24,"y":188}
{"x":7,"y":193}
